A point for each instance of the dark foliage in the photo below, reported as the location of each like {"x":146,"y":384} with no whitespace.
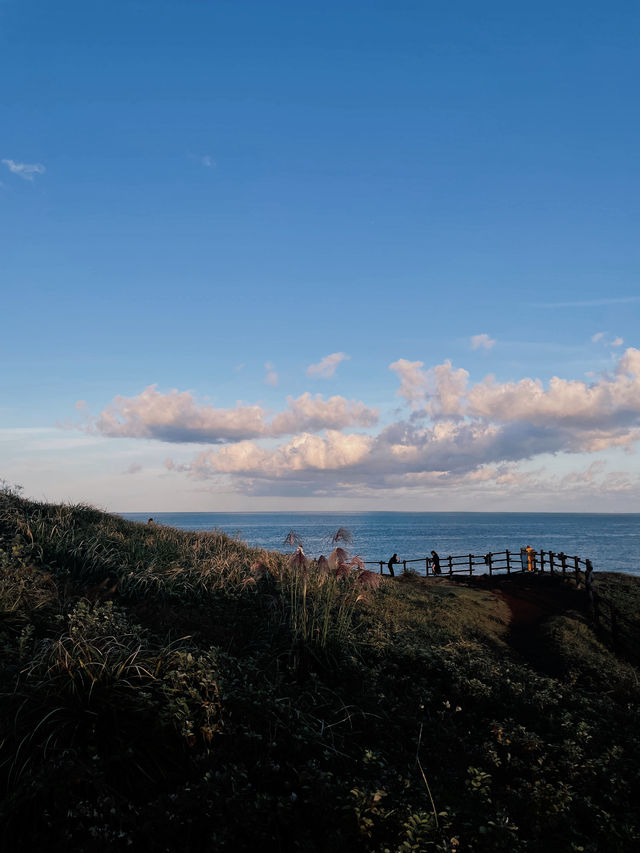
{"x":170,"y":691}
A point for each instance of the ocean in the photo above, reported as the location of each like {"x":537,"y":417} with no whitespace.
{"x":610,"y":541}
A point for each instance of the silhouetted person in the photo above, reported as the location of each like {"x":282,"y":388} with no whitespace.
{"x":435,"y":563}
{"x":392,"y":562}
{"x":588,"y":583}
{"x":150,"y":521}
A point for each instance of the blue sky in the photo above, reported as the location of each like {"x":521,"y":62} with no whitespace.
{"x":212,"y":197}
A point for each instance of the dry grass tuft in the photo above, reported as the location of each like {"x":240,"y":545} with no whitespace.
{"x":342,"y":534}
{"x":369,"y":580}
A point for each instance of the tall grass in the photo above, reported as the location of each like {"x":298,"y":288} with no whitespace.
{"x":93,"y":554}
{"x":85,"y":546}
{"x":323,"y":595}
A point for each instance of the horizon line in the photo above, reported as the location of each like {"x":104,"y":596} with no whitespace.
{"x":368,"y":511}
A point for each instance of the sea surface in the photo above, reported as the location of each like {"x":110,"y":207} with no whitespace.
{"x":611,"y":542}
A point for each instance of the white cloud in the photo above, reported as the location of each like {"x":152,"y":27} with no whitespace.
{"x":456,"y":434}
{"x":178,"y":417}
{"x":488,"y":424}
{"x":611,"y":402}
{"x":362,"y":465}
{"x":28,"y":171}
{"x":208,"y":161}
{"x":482,"y":342}
{"x":446,"y":390}
{"x":439,"y":389}
{"x":601,"y":337}
{"x":312,"y":414}
{"x":607,"y":403}
{"x":303,"y":453}
{"x":272,"y":377}
{"x":413,"y":380}
{"x":326,"y":367}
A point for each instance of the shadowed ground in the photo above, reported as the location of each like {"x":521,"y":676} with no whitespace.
{"x":165,"y":690}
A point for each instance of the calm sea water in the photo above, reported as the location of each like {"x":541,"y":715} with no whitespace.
{"x":612,"y":542}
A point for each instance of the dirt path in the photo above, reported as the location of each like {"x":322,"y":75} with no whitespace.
{"x":531,"y":601}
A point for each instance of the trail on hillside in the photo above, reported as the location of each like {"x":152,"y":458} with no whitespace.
{"x":532,"y":601}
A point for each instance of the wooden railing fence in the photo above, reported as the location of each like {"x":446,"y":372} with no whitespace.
{"x":613,"y":626}
{"x":515,"y":561}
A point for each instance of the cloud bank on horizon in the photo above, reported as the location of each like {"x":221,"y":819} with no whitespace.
{"x":448,"y":434}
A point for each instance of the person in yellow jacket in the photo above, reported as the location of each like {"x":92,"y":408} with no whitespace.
{"x":530,"y":554}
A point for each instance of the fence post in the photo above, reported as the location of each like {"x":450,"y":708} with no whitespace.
{"x":426,"y":566}
{"x":470,"y":564}
{"x":404,"y":567}
{"x":508,"y":562}
{"x":563,"y":560}
{"x":551,"y":556}
{"x":450,"y":565}
{"x":576,"y":563}
{"x":381,"y":565}
{"x":489,"y":563}
{"x":542,"y":561}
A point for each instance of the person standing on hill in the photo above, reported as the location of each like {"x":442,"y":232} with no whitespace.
{"x":392,"y":562}
{"x":435,"y":563}
{"x":530,"y":554}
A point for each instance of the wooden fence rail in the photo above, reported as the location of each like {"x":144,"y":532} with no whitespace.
{"x":615,"y":628}
{"x":519,"y":560}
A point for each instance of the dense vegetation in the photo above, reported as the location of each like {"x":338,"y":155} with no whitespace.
{"x":175,"y":691}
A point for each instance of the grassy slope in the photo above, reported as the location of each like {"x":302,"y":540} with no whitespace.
{"x":157,"y":692}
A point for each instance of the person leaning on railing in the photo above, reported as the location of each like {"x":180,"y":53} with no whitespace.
{"x":435,"y":563}
{"x":588,"y":582}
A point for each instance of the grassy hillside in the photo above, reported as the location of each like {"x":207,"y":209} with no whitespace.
{"x":165,"y":690}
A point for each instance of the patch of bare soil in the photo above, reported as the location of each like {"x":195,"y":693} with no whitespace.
{"x":532,"y":600}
